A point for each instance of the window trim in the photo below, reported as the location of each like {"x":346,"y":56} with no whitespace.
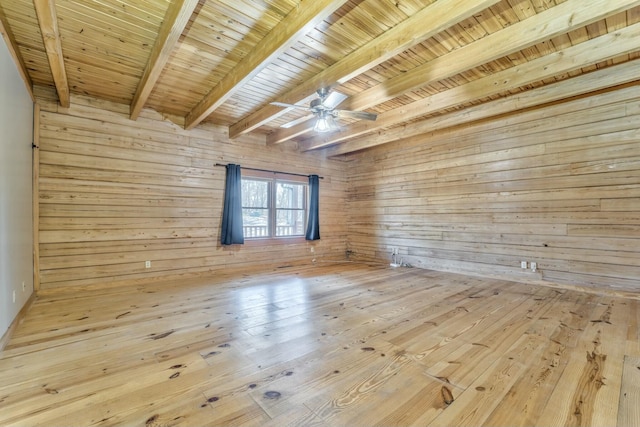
{"x":273,"y":179}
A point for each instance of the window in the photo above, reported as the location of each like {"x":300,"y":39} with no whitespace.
{"x":273,"y":207}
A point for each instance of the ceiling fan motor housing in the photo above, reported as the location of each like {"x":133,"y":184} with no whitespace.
{"x":316,"y":104}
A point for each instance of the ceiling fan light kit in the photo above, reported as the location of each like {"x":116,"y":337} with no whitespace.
{"x":326,"y":123}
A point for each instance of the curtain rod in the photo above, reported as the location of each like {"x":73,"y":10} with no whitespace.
{"x":267,"y":170}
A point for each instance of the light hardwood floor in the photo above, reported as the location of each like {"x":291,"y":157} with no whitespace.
{"x":332,"y":345}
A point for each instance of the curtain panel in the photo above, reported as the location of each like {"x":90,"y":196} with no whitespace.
{"x":232,"y":232}
{"x":313,"y":224}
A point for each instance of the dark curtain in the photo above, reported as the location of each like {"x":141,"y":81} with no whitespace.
{"x":232,"y":213}
{"x":313,"y":225}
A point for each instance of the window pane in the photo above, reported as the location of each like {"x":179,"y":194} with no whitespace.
{"x":255,"y":208}
{"x":255,"y":222}
{"x":290,"y":222}
{"x":272,"y":208}
{"x":255,"y":193}
{"x":290,"y":195}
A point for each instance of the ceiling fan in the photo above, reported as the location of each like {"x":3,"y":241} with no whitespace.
{"x":324,"y":108}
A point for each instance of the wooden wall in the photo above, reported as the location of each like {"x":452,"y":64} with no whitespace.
{"x":115,"y":193}
{"x":559,"y":186}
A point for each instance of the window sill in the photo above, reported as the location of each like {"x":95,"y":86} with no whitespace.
{"x":269,"y":241}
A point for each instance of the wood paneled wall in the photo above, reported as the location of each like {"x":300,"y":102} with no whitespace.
{"x":559,"y":186}
{"x":115,"y":193}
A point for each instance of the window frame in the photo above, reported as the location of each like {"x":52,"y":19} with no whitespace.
{"x":273,"y":179}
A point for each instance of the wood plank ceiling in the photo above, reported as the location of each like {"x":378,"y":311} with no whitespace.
{"x":431,"y":63}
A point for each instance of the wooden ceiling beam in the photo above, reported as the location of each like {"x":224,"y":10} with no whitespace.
{"x":533,"y":103}
{"x":14,"y":51}
{"x":582,"y":55}
{"x":175,"y":21}
{"x":556,"y":92}
{"x":566,"y":17}
{"x":48,"y":21}
{"x":302,"y":19}
{"x":429,"y":21}
{"x":546,"y":25}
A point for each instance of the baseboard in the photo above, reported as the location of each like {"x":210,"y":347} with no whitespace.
{"x":527,"y":277}
{"x":215,"y":271}
{"x":21,"y":314}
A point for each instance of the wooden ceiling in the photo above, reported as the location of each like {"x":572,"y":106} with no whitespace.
{"x":421,"y":65}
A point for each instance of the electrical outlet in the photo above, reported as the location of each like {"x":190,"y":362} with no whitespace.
{"x":523,"y":265}
{"x":534,"y":266}
{"x":14,"y":296}
{"x":147,"y":264}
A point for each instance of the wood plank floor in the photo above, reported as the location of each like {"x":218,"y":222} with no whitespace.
{"x":334,"y":345}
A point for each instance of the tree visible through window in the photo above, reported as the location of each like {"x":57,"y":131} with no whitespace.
{"x":273,"y":207}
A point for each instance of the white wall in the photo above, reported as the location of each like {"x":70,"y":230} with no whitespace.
{"x":16,"y":236}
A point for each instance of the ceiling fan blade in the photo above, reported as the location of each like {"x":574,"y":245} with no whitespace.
{"x":334,"y":99}
{"x":285,"y":105}
{"x":297,"y":121}
{"x":362,"y":115}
